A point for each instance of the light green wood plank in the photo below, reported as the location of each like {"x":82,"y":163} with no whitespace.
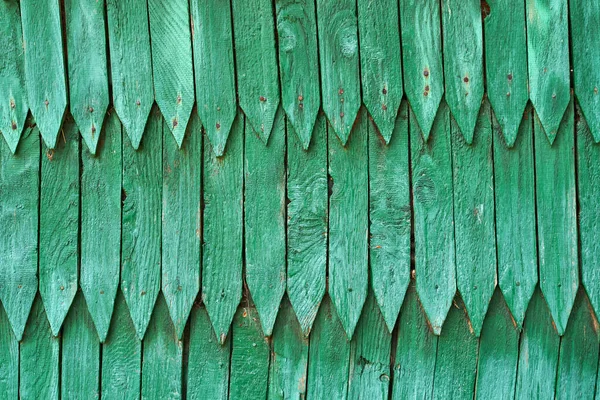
{"x":289,"y":357}
{"x":212,"y":42}
{"x":328,"y":357}
{"x":340,"y":78}
{"x":390,"y":217}
{"x":557,"y":218}
{"x":44,"y":65}
{"x":498,"y":353}
{"x":548,"y":56}
{"x":39,"y":368}
{"x":538,"y":352}
{"x":80,"y":354}
{"x":121,"y":357}
{"x":249,"y":357}
{"x":463,"y":62}
{"x":585,"y":43}
{"x":264,"y":220}
{"x":13,"y":93}
{"x":433,"y":217}
{"x":208,"y":362}
{"x":422,"y":59}
{"x":222,"y":236}
{"x":88,"y":69}
{"x":349,"y":223}
{"x":130,"y":65}
{"x":514,"y":184}
{"x":578,"y":361}
{"x":307,"y":210}
{"x":59,"y":225}
{"x":101,"y":193}
{"x":416,"y":350}
{"x":19,"y":191}
{"x":162,"y":358}
{"x":299,"y":65}
{"x":172,"y":62}
{"x":141,"y":226}
{"x":380,"y":61}
{"x":181,"y":227}
{"x":588,"y":192}
{"x":9,"y":358}
{"x":256,"y":61}
{"x":370,"y":352}
{"x":456,"y":363}
{"x":474,"y":230}
{"x":506,"y":64}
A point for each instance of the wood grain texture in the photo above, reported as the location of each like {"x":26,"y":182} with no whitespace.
{"x":457,"y":351}
{"x":349,"y":223}
{"x":422,"y":59}
{"x":329,"y":356}
{"x":222,"y":235}
{"x":9,"y":358}
{"x":307,"y":219}
{"x":172,"y":63}
{"x":474,"y":228}
{"x":264,"y":220}
{"x":44,"y":65}
{"x":463,"y":62}
{"x":578,"y":361}
{"x":101,"y":178}
{"x":39,"y":368}
{"x":249,"y":356}
{"x":390,"y":217}
{"x":142,"y":223}
{"x":208,"y":360}
{"x":433,"y":217}
{"x":416,"y":350}
{"x":538,"y":353}
{"x":59,"y":225}
{"x":340,"y":78}
{"x":88,"y":68}
{"x":299,"y":65}
{"x":130,"y":64}
{"x":370,"y":352}
{"x":289,"y":357}
{"x":506,"y":64}
{"x":548,"y":56}
{"x":212,"y":40}
{"x":80,"y":354}
{"x":588,"y":190}
{"x":121,"y":356}
{"x":516,"y":240}
{"x":557,"y":218}
{"x":380,"y":62}
{"x":181,"y":222}
{"x":256,"y":62}
{"x":19,"y":213}
{"x":162,"y":358}
{"x":585,"y":48}
{"x":13,"y":93}
{"x":498,"y":353}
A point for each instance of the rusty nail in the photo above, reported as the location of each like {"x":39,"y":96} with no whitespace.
{"x":175,"y":123}
{"x":300,"y":98}
{"x":341,"y":91}
{"x":507,"y":94}
{"x":138,"y":103}
{"x":427,"y":88}
{"x":12,"y":104}
{"x":426,"y":73}
{"x":301,"y":106}
{"x":91,"y":109}
{"x":341,"y":115}
{"x":13,"y":125}
{"x":509,"y":76}
{"x":384,"y":91}
{"x":46,"y":102}
{"x":93,"y":129}
{"x":218,"y":125}
{"x":383,"y":107}
{"x":425,"y":93}
{"x":466,"y":79}
{"x":262,"y":98}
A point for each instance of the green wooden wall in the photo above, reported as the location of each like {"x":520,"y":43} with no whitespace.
{"x":375,"y":199}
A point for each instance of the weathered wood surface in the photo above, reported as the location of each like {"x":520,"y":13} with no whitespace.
{"x":19,"y":214}
{"x":435,"y":265}
{"x":349,"y":223}
{"x":307,"y":222}
{"x":88,"y":81}
{"x":59,"y":230}
{"x":13,"y":91}
{"x":390,"y":216}
{"x":340,"y":79}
